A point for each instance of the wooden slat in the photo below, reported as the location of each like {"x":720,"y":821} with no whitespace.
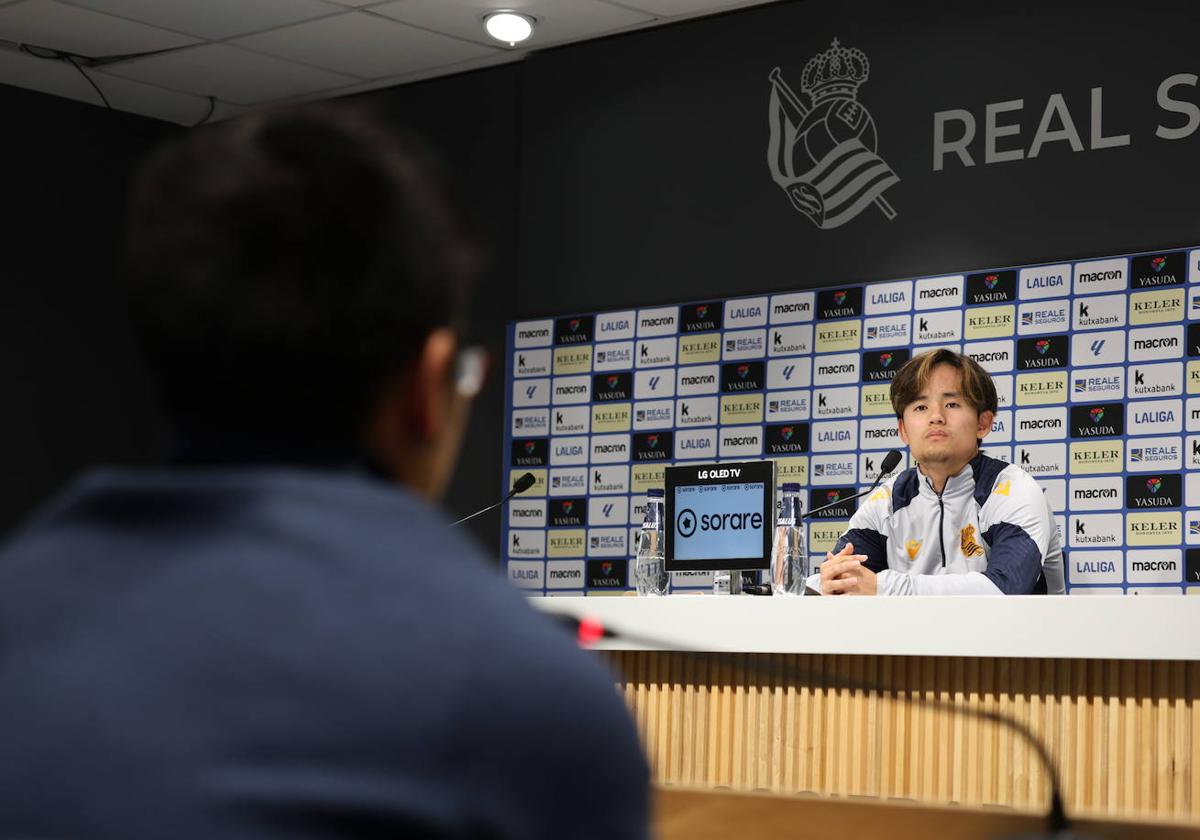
{"x":1126,"y":735}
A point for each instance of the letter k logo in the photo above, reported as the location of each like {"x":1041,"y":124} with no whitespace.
{"x":777,"y":338}
{"x":645,"y":351}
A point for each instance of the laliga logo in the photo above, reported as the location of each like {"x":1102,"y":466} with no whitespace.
{"x":822,"y":155}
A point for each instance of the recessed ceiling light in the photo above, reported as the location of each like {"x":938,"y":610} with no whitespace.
{"x":509,"y":27}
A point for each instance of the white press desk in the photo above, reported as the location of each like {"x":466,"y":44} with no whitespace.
{"x":1111,"y":684}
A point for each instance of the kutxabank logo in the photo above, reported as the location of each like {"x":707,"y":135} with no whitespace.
{"x":823,"y":155}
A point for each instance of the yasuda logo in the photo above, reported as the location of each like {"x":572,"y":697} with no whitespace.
{"x":743,"y":371}
{"x":1042,"y":346}
{"x":573,"y":325}
{"x":1153,"y":484}
{"x":612,"y":381}
{"x":702,"y":311}
{"x":530,"y":446}
{"x":839,"y":298}
{"x":991,"y":280}
{"x":786,"y":432}
{"x":832,"y":496}
{"x":1097,"y":414}
{"x":1158,"y":263}
{"x":652,"y":441}
{"x":885,"y":359}
{"x":606,"y":568}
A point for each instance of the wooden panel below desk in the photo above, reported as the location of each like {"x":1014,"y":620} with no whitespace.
{"x":1126,"y":734}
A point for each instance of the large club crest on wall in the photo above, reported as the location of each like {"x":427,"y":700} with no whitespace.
{"x":823,"y":155}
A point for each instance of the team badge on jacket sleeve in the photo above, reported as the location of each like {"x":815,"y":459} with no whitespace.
{"x":970,"y":547}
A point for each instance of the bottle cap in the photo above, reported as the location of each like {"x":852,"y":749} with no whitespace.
{"x":656,"y":493}
{"x":791,"y":487}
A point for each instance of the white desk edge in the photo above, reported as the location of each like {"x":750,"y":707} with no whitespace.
{"x":1069,"y":627}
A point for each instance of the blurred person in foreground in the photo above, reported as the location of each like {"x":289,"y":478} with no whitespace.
{"x":957,"y":522}
{"x":278,"y":635}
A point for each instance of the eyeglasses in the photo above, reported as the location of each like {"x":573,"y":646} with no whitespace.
{"x":470,"y":371}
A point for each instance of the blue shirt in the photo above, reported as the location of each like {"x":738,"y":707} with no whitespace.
{"x":236,"y":653}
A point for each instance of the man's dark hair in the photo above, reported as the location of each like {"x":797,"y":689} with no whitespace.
{"x":978,"y":388}
{"x":283,"y":266}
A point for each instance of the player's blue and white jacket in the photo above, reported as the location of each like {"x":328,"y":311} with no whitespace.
{"x":990,"y":532}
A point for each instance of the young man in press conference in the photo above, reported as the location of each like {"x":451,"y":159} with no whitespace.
{"x":957,"y":522}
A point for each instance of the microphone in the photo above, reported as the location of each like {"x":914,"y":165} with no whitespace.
{"x":890,"y":461}
{"x":519,"y":486}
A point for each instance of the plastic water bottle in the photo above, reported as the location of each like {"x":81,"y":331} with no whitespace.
{"x":789,"y":560}
{"x":649,"y":572}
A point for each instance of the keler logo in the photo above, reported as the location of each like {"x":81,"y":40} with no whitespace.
{"x":822,"y":153}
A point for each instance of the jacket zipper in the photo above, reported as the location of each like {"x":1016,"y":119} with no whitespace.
{"x":941,"y":524}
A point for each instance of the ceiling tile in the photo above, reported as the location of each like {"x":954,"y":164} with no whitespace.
{"x":48,"y":23}
{"x":61,"y":79}
{"x":674,"y":8}
{"x":367,"y":46}
{"x":229,"y":73}
{"x":558,"y":20}
{"x":214,"y":19}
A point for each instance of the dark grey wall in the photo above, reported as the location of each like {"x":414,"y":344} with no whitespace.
{"x":472,"y":121}
{"x":74,"y":392}
{"x":646,"y":174}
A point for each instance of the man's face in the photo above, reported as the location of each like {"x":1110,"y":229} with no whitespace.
{"x":940,"y":427}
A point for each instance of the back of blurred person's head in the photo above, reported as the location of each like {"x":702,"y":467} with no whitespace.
{"x":298,"y":279}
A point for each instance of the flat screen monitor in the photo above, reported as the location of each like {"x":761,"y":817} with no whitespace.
{"x":719,"y":516}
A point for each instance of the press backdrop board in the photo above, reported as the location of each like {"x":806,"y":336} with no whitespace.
{"x":1097,"y":364}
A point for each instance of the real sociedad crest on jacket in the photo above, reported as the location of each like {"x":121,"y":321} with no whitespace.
{"x":822,"y":155}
